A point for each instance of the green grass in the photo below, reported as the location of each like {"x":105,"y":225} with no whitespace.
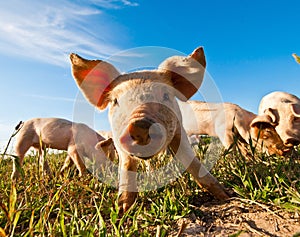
{"x":71,"y":206}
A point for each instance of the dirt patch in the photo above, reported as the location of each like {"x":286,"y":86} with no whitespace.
{"x":238,"y":217}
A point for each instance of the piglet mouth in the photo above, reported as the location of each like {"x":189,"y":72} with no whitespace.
{"x":143,"y":138}
{"x":279,"y":150}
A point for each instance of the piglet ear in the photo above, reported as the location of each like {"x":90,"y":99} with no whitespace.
{"x":263,"y":119}
{"x":107,"y":146}
{"x":186,"y":72}
{"x":104,"y":143}
{"x":273,"y":114}
{"x":296,"y":110}
{"x":93,"y":77}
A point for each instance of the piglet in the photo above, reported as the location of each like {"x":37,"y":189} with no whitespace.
{"x":77,"y":139}
{"x":144,"y":114}
{"x":229,"y":122}
{"x":284,"y":109}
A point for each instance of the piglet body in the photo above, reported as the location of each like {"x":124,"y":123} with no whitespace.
{"x":76,"y":138}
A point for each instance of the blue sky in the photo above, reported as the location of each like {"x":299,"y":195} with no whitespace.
{"x":248,"y":46}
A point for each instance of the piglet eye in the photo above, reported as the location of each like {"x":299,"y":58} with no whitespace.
{"x":166,"y":97}
{"x":267,"y":131}
{"x":115,"y":102}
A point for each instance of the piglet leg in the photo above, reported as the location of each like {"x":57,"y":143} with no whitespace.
{"x":186,"y":156}
{"x":127,"y":182}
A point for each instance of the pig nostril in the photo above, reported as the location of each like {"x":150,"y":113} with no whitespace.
{"x":134,"y":137}
{"x":157,"y":132}
{"x":144,"y":131}
{"x":156,"y":136}
{"x":140,"y":139}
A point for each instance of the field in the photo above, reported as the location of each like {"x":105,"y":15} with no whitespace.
{"x":265,"y":200}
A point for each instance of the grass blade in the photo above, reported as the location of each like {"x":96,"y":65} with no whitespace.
{"x":62,"y":219}
{"x":12,"y":202}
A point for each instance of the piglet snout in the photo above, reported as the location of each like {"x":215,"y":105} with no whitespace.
{"x":290,"y":142}
{"x":139,"y":131}
{"x":143,"y":138}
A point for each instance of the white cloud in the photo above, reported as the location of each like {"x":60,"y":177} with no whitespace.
{"x":63,"y":99}
{"x":114,"y":3}
{"x":129,"y":3}
{"x":50,"y":31}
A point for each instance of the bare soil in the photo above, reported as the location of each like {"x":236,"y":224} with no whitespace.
{"x":238,"y":217}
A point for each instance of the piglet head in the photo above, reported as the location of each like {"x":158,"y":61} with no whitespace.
{"x":284,"y":108}
{"x":263,"y":133}
{"x":144,"y":115}
{"x":143,"y":110}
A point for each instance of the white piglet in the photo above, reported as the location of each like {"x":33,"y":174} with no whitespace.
{"x":144,"y":115}
{"x":77,"y":139}
{"x":230,"y":122}
{"x":284,"y":109}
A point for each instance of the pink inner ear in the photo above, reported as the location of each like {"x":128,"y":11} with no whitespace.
{"x":95,"y":84}
{"x":94,"y":77}
{"x":100,"y":74}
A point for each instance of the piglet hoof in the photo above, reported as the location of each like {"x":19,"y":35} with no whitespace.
{"x":211,"y":184}
{"x":125,"y":201}
{"x":83,"y":173}
{"x":222,"y":195}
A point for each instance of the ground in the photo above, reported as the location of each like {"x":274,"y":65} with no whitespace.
{"x":238,"y":217}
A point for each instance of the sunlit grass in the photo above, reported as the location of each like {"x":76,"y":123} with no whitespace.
{"x":67,"y":205}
